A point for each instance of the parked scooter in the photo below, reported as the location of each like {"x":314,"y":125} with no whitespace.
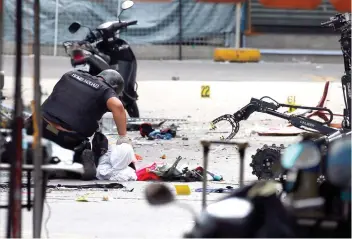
{"x":103,"y":49}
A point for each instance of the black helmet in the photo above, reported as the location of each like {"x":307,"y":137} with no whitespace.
{"x":113,"y":79}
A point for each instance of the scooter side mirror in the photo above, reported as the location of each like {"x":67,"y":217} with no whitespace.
{"x":127,"y":4}
{"x":158,"y":194}
{"x":124,"y":6}
{"x":74,"y":27}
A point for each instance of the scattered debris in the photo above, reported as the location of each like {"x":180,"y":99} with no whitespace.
{"x":136,"y":142}
{"x":128,"y":190}
{"x":227,"y":189}
{"x":161,"y":134}
{"x":218,"y":148}
{"x":88,"y":186}
{"x":138,"y":157}
{"x":214,"y":176}
{"x":161,"y":171}
{"x":147,"y":130}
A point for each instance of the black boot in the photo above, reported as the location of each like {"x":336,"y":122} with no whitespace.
{"x":90,"y":170}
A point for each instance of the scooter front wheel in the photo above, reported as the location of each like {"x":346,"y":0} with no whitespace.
{"x":132,"y":109}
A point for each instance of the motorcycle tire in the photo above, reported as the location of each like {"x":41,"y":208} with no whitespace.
{"x":132,"y":110}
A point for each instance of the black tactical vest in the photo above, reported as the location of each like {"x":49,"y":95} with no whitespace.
{"x":78,"y":102}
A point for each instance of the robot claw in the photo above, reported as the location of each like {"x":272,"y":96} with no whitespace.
{"x":232,"y":120}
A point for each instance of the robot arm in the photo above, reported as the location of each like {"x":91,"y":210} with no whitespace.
{"x":254,"y":105}
{"x":259,"y":105}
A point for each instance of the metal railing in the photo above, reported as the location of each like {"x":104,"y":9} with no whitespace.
{"x":175,"y":29}
{"x":170,"y":30}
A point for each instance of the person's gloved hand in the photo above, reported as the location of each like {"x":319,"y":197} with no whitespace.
{"x":123,"y":140}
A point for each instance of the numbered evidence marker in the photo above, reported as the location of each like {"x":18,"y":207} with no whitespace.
{"x":205,"y":91}
{"x":291,"y":100}
{"x":182,"y":189}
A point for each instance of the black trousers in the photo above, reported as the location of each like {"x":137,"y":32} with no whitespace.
{"x":67,"y":140}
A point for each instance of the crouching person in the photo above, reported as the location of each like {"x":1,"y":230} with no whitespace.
{"x":73,"y":109}
{"x":115,"y":162}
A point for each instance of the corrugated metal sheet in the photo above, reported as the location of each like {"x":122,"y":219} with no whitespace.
{"x":280,"y":17}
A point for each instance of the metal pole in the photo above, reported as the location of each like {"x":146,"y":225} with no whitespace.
{"x":56,"y":26}
{"x":118,"y":14}
{"x":238,"y":25}
{"x":2,"y":74}
{"x":15,"y":195}
{"x":37,"y":147}
{"x":206,"y":148}
{"x":249,"y":16}
{"x":1,"y":45}
{"x":241,"y":173}
{"x":180,"y":31}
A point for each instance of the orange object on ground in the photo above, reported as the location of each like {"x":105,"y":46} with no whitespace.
{"x":291,"y":4}
{"x":138,"y":157}
{"x":341,"y":5}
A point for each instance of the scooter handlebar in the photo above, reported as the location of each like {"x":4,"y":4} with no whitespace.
{"x":119,"y":25}
{"x":131,"y":23}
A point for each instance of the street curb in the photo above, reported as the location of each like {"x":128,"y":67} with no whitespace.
{"x":237,"y":55}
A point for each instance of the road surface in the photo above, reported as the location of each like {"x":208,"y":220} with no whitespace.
{"x":232,"y":85}
{"x":54,"y":67}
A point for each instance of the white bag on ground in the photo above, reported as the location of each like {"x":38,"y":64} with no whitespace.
{"x":114,"y":164}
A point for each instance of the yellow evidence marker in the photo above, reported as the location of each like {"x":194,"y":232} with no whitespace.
{"x":182,"y":189}
{"x":205,"y":91}
{"x":83,"y":198}
{"x":291,"y":100}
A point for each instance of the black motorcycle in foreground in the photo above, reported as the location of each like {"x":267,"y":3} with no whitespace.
{"x":305,"y":207}
{"x":102,"y":49}
{"x":309,"y":209}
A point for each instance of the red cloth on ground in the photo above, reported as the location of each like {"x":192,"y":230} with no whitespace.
{"x":144,"y":174}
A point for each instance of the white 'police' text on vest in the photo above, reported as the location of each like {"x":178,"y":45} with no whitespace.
{"x":85,"y":81}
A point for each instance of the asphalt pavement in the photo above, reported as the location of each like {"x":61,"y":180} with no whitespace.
{"x":171,"y":89}
{"x":54,"y":67}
